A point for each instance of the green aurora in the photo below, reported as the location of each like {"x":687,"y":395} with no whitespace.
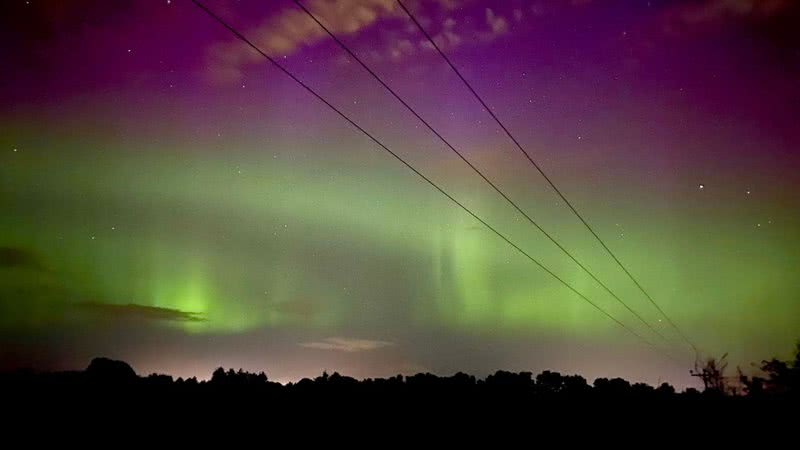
{"x":248,"y":241}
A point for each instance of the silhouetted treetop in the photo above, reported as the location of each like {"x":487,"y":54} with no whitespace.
{"x":109,"y":370}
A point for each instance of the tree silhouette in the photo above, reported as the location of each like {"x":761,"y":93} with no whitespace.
{"x":781,"y":378}
{"x":712,"y":373}
{"x":108,"y":381}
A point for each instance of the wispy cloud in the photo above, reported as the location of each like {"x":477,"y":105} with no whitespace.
{"x":446,"y":39}
{"x":497,"y":23}
{"x":133,"y":311}
{"x":291,"y":29}
{"x":284,"y":33}
{"x":341,"y":344}
{"x":399,"y":50}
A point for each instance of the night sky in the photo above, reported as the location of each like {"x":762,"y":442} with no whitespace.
{"x":169,"y":198}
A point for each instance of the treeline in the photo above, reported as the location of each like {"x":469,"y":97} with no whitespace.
{"x":777,"y":379}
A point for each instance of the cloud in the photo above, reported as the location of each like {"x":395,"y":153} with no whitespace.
{"x":291,"y":29}
{"x":447,"y":39}
{"x":399,"y":50}
{"x":451,"y":37}
{"x":133,"y":311}
{"x":497,"y":23}
{"x":340,"y":344}
{"x":12,"y":257}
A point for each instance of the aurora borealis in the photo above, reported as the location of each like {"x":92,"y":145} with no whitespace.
{"x":170,"y":199}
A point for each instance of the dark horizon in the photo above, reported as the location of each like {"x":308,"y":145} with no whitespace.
{"x":774,"y":380}
{"x":713,"y":376}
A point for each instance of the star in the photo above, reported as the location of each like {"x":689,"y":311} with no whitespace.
{"x":701,"y":186}
{"x":129,"y":50}
{"x":15,"y":150}
{"x":748,"y":192}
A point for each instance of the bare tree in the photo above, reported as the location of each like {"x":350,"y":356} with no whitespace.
{"x":712,"y":372}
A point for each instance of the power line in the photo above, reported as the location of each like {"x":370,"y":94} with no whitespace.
{"x":417,"y":172}
{"x":544,"y":175}
{"x":475,"y":169}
